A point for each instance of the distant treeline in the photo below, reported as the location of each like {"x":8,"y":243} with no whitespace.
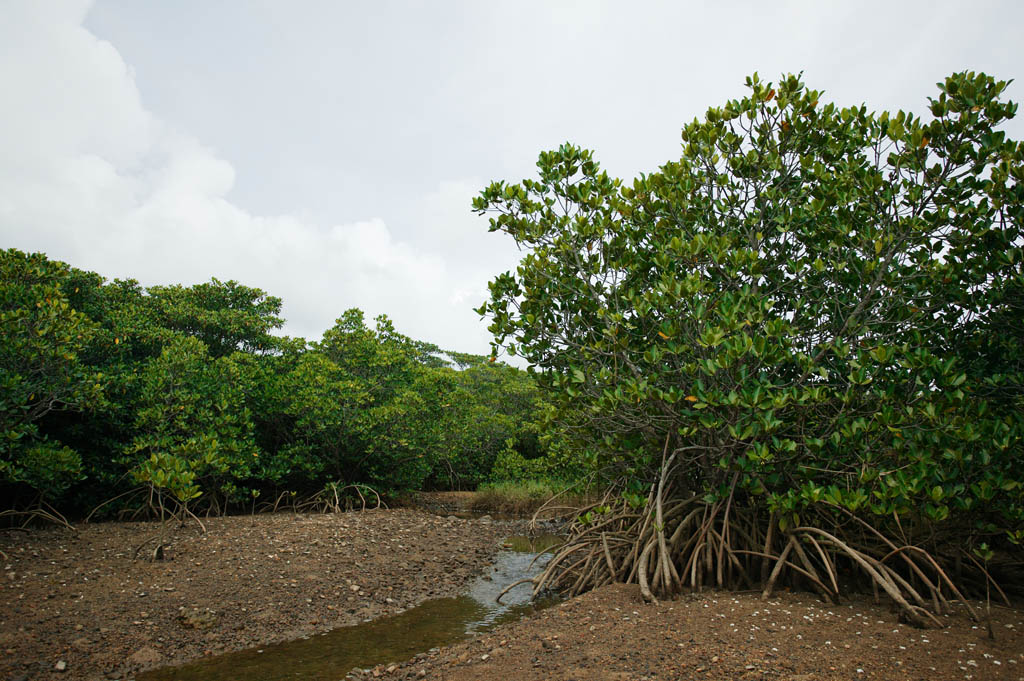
{"x":183,"y":395}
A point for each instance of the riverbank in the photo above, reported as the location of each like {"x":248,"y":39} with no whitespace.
{"x":611,"y":635}
{"x":75,"y":605}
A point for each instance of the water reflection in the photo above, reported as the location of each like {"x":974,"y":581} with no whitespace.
{"x":434,"y":623}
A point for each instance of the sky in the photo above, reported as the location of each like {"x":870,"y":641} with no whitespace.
{"x":327,"y":152}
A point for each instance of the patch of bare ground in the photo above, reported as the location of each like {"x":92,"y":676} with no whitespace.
{"x":78,"y":603}
{"x":612,"y":635}
{"x":81,"y":601}
{"x":442,"y":501}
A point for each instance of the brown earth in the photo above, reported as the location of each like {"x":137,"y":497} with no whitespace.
{"x":81,"y":600}
{"x":611,"y":635}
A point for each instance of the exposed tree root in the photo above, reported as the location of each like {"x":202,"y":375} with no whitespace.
{"x":39,"y":511}
{"x":512,"y":586}
{"x":129,"y":493}
{"x":332,"y":499}
{"x":688,"y":543}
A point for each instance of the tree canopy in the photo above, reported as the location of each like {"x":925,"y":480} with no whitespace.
{"x":186,"y":394}
{"x":805,"y":318}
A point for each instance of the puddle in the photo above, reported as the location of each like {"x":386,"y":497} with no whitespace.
{"x":433,"y":623}
{"x":539,"y":544}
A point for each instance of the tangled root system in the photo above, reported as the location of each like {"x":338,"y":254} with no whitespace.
{"x":677,"y":543}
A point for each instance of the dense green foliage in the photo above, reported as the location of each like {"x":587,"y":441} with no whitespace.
{"x":185,"y":394}
{"x":40,"y":372}
{"x":814,"y":308}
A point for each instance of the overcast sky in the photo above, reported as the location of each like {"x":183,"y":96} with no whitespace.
{"x":327,"y":151}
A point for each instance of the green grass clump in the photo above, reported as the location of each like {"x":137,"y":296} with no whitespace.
{"x":522,"y":497}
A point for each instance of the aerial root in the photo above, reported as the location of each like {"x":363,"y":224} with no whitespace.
{"x":513,"y":585}
{"x":331,"y":499}
{"x":690,"y":544}
{"x":40,"y":510}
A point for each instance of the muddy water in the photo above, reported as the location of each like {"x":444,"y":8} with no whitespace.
{"x":437,"y":622}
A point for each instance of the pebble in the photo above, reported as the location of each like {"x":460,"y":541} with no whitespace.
{"x":144,"y":656}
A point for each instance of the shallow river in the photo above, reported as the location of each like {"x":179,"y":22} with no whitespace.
{"x":433,"y":623}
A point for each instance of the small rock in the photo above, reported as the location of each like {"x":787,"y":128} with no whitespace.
{"x":144,"y":656}
{"x":61,"y":666}
{"x":197,"y":620}
{"x":486,"y":519}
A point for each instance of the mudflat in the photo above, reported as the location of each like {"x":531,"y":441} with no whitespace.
{"x":79,"y":599}
{"x":76,"y":606}
{"x":610,"y":634}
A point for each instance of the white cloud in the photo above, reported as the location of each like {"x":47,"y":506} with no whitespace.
{"x":90,"y":176}
{"x":328,"y":152}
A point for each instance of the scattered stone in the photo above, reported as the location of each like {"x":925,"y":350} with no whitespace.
{"x":144,"y":656}
{"x":401,"y":563}
{"x":198,"y":620}
{"x":61,"y":666}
